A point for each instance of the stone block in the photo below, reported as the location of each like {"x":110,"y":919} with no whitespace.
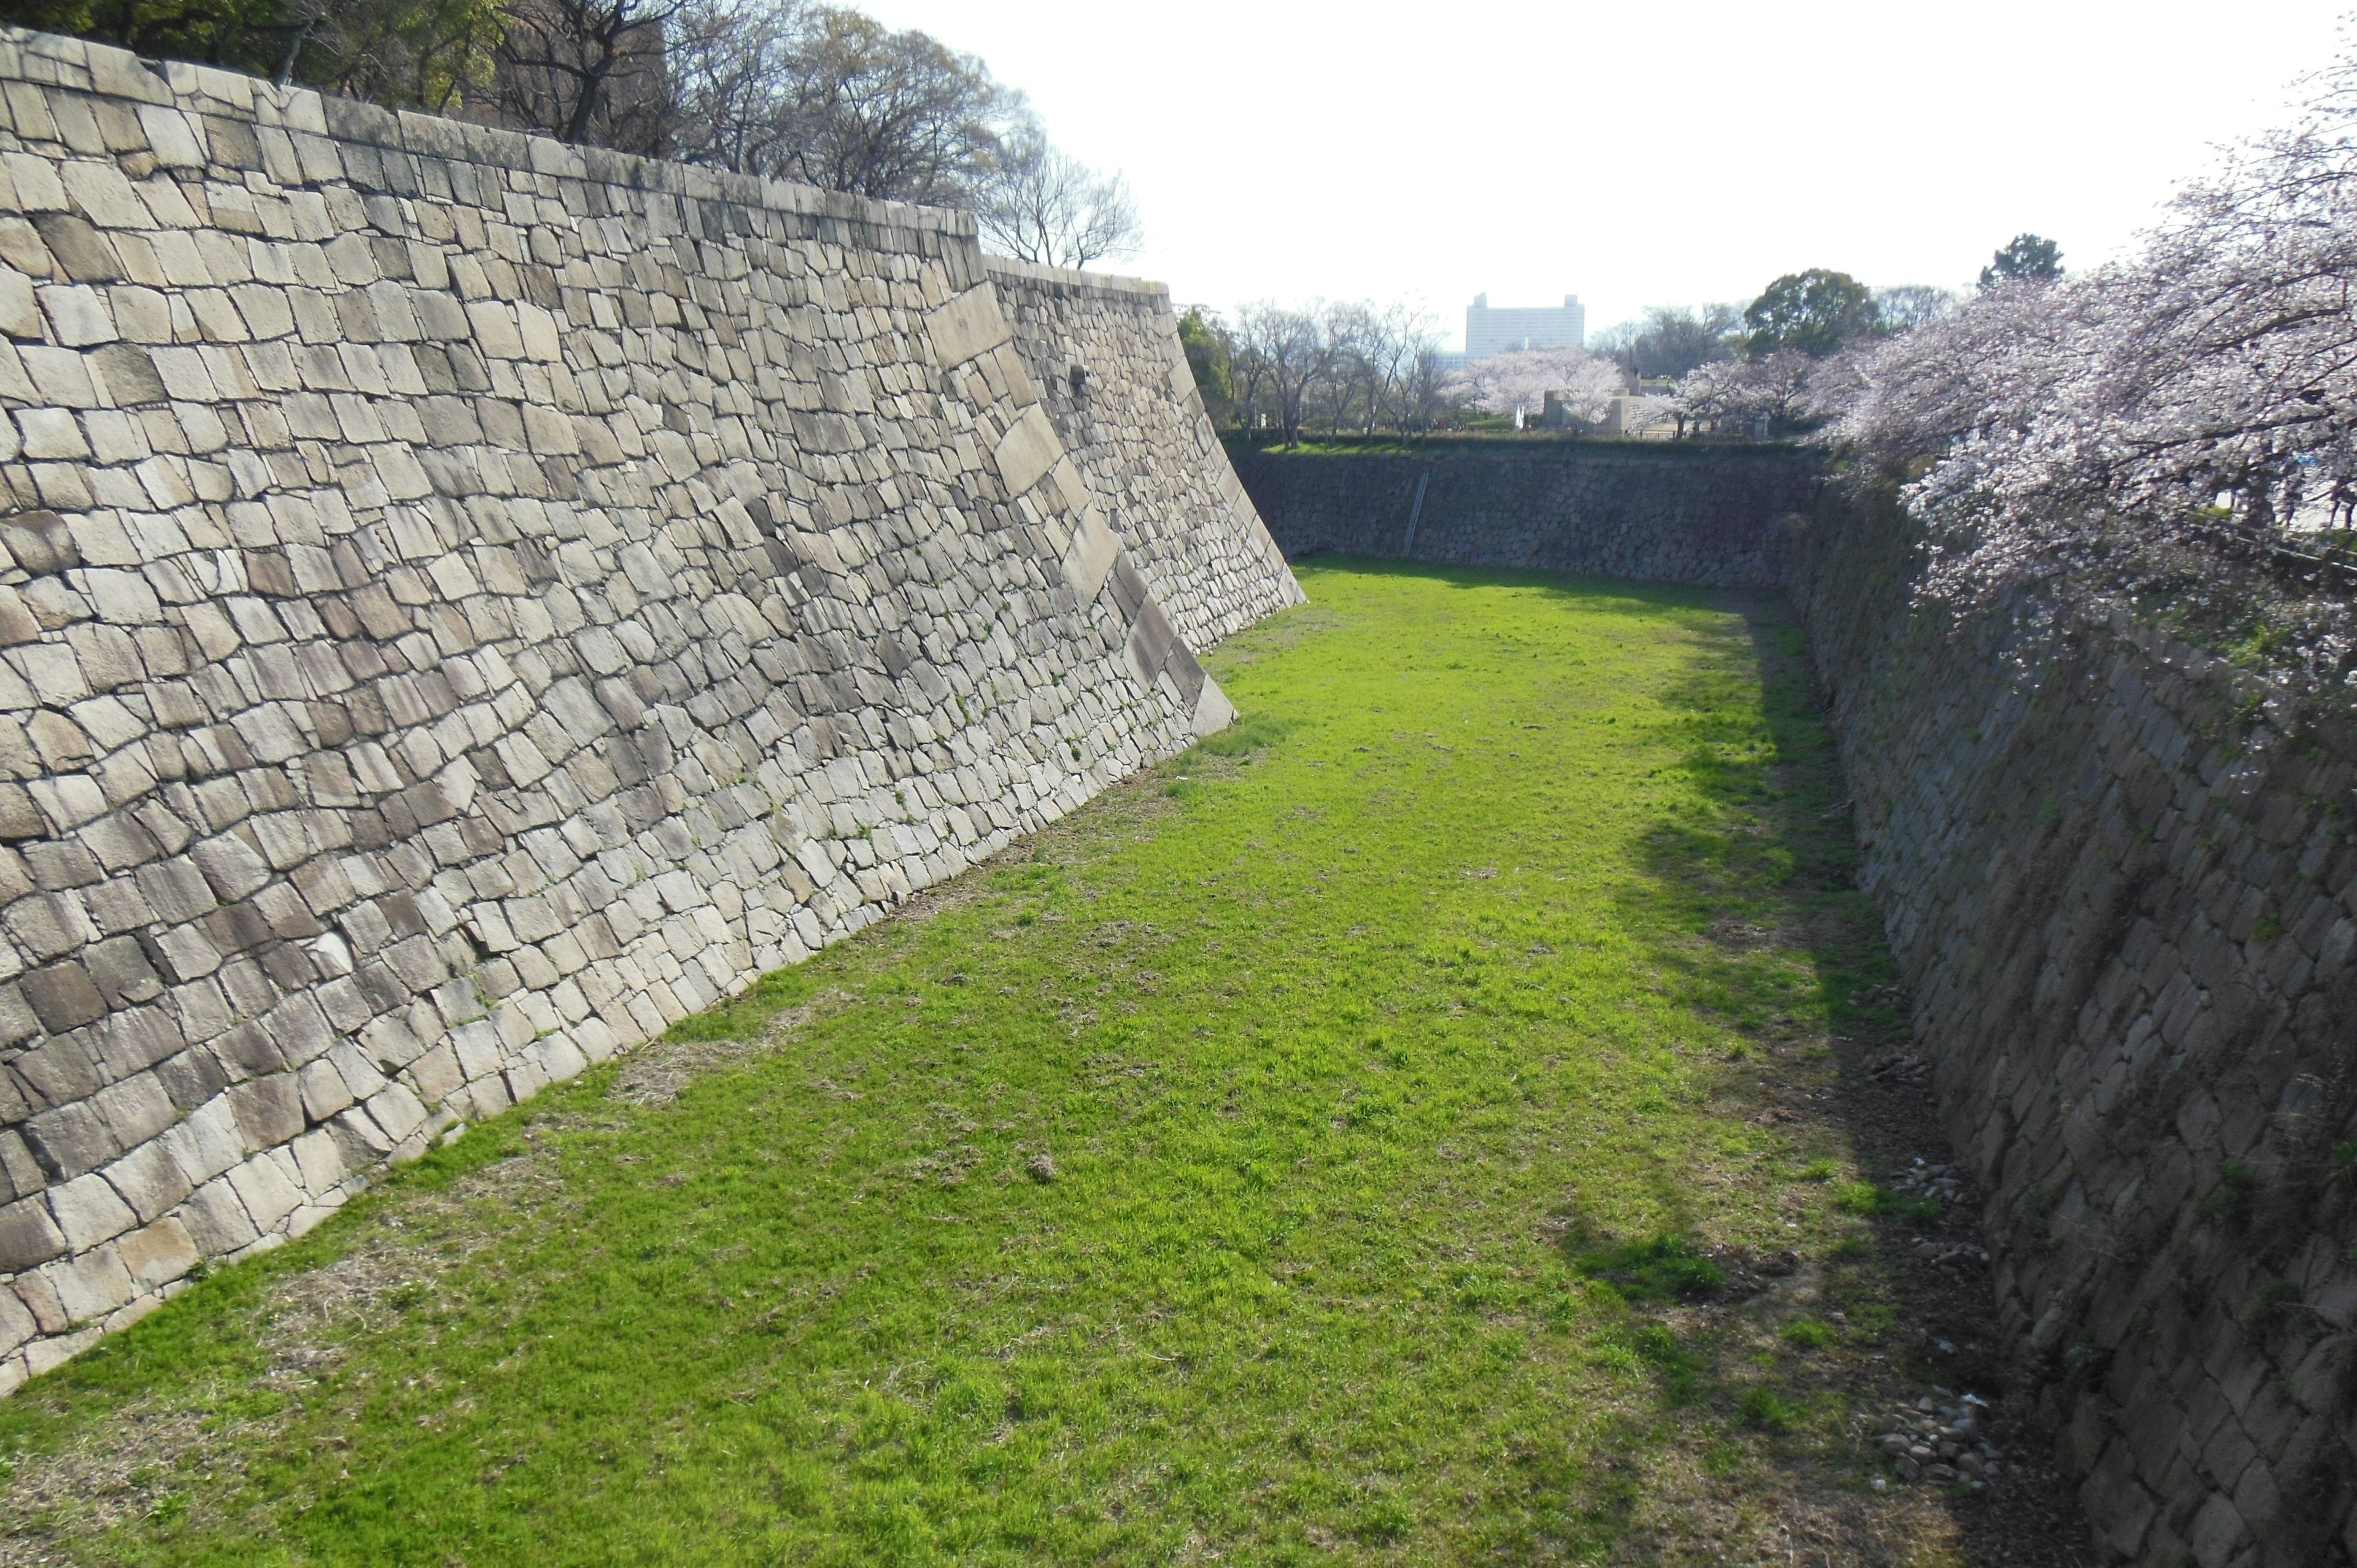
{"x":149,"y":1180}
{"x":2217,"y":1532}
{"x":81,"y":254}
{"x":1213,"y":712}
{"x":269,"y":1110}
{"x":29,"y":1235}
{"x":62,"y":996}
{"x":322,"y":1158}
{"x":88,"y":1211}
{"x":216,"y":1219}
{"x":157,"y":1254}
{"x":91,"y":1286}
{"x":967,"y":326}
{"x":70,"y":1140}
{"x":134,"y":1110}
{"x":268,"y":1194}
{"x":1090,"y":558}
{"x":206,"y":1143}
{"x":1027,"y":450}
{"x":17,"y":1322}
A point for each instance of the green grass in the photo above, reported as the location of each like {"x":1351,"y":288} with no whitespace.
{"x":1864,"y":1198}
{"x":1809,"y":1334}
{"x":1334,"y":1143}
{"x":1664,"y":1266}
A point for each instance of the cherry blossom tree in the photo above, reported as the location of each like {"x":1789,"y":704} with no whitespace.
{"x":2110,"y":428}
{"x":1772,"y":393}
{"x":1518,"y":383}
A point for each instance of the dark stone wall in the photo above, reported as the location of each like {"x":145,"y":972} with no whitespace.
{"x":1698,"y":515}
{"x":2120,"y":878}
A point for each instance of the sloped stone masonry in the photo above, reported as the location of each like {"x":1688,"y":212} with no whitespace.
{"x":470,"y":602}
{"x":2123,"y":884}
{"x":1104,"y":353}
{"x":1709,"y":517}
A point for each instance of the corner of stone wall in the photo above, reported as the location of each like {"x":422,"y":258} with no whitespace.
{"x":1105,"y":351}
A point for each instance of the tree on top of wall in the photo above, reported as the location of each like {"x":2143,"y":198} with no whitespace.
{"x":789,"y":90}
{"x":434,"y":55}
{"x":1814,"y":311}
{"x":2179,"y":425}
{"x":2026,"y":257}
{"x":1039,"y":203}
{"x":1208,"y":356}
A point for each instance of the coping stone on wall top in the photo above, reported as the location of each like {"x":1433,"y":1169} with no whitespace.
{"x":119,"y":72}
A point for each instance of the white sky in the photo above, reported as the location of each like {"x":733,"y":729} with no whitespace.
{"x":1636,"y":153}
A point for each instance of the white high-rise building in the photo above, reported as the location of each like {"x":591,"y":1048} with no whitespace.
{"x":1513,"y":329}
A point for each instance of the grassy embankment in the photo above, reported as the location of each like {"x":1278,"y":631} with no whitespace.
{"x":1351,"y":1139}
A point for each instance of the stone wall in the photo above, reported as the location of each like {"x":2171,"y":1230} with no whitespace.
{"x":469,"y":602}
{"x":2120,"y":875}
{"x":1660,"y":513}
{"x":1105,"y":354}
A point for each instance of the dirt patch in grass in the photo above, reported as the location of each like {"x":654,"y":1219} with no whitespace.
{"x":180,"y":1453}
{"x":658,"y":1072}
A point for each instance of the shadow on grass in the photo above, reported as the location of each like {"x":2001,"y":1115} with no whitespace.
{"x":1772,"y":1366}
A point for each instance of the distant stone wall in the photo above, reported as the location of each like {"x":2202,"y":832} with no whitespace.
{"x":2123,"y":884}
{"x":1105,"y":354}
{"x":1659,"y":513}
{"x":469,"y":602}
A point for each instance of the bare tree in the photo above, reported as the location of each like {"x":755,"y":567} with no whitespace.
{"x":1427,"y":392}
{"x":586,"y":71}
{"x":1350,"y":363}
{"x":1388,"y":352}
{"x":1346,"y":333}
{"x":435,"y":55}
{"x":1292,"y":350}
{"x":895,"y":115}
{"x":1909,"y":306}
{"x":825,"y":96}
{"x":1040,"y":204}
{"x":1249,"y":370}
{"x":733,"y":65}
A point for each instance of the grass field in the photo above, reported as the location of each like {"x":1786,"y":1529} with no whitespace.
{"x":1389,"y":1133}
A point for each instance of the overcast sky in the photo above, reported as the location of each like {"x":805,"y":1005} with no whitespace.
{"x":1633,"y":155}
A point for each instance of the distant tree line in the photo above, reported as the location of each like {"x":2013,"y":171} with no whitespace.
{"x":816,"y":93}
{"x":1731,"y":369}
{"x":1339,"y":366}
{"x":1362,"y":368}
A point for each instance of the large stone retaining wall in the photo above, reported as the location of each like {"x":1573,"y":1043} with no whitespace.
{"x":2121,"y":882}
{"x":470,"y":602}
{"x":1659,"y":512}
